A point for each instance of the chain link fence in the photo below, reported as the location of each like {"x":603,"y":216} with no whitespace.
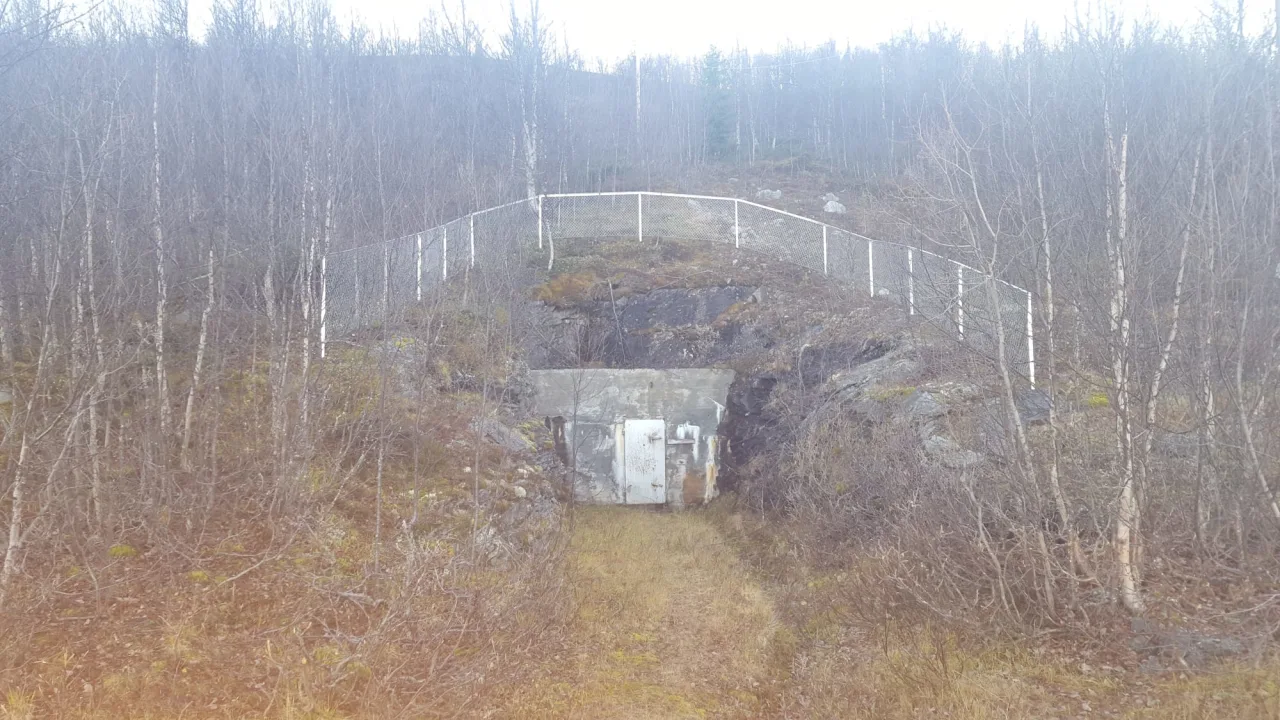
{"x":499,"y":250}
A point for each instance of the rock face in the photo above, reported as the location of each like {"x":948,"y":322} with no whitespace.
{"x":834,"y":207}
{"x":798,"y":366}
{"x":662,"y":328}
{"x":764,"y":194}
{"x":923,"y":406}
{"x":673,"y":307}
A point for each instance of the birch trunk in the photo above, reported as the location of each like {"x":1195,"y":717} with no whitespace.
{"x":89,"y":195}
{"x":18,"y":488}
{"x":1078,"y":559}
{"x":529,"y":109}
{"x":1162,"y":364}
{"x":1206,"y":451}
{"x":979,"y":221}
{"x":1245,"y":413}
{"x":1116,"y":238}
{"x":197,"y":371}
{"x":6,"y":346}
{"x":162,"y":286}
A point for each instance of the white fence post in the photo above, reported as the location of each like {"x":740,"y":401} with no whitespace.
{"x":911,"y":282}
{"x":540,"y":222}
{"x":871,"y":266}
{"x":640,"y":217}
{"x":324,"y":300}
{"x":824,"y":250}
{"x":418,"y":237}
{"x":737,"y":234}
{"x":1031,"y":344}
{"x":444,"y":254}
{"x":960,"y":299}
{"x":472,"y":217}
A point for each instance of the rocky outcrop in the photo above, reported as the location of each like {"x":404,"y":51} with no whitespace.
{"x":797,"y":367}
{"x":661,"y":328}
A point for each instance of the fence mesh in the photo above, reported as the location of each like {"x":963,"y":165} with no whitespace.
{"x":355,"y":289}
{"x":847,"y":257}
{"x":699,"y":219}
{"x":401,"y":277}
{"x":496,"y":252}
{"x":591,"y":216}
{"x":506,"y":238}
{"x":892,"y":271}
{"x":432,"y":259}
{"x":934,"y":288}
{"x":776,"y":234}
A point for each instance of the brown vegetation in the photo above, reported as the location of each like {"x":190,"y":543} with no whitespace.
{"x":203,"y":516}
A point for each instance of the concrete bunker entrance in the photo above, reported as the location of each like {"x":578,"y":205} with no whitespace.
{"x":636,"y":436}
{"x":613,"y":313}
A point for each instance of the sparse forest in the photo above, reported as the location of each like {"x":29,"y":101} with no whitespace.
{"x":186,"y":486}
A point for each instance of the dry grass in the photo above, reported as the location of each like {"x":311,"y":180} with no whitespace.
{"x":922,"y":673}
{"x":668,"y":624}
{"x":844,"y":650}
{"x":585,"y":269}
{"x":314,"y":610}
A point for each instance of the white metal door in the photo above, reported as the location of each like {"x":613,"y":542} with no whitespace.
{"x":645,"y":461}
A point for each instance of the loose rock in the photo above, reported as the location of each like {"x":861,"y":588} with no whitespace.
{"x":508,"y":438}
{"x":946,"y":452}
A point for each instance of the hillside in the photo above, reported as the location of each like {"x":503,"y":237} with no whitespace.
{"x":284,"y":299}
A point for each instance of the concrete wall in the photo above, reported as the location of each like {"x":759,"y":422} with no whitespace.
{"x":594,"y":403}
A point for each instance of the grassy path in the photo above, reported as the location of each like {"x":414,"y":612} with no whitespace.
{"x":669,"y":624}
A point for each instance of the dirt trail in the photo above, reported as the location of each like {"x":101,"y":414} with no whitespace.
{"x":669,"y":624}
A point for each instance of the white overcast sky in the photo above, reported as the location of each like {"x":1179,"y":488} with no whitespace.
{"x":610,"y":29}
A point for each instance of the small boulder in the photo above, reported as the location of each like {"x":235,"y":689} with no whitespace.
{"x":1181,"y":648}
{"x":520,"y":492}
{"x":830,"y":197}
{"x":507,"y":438}
{"x":765,"y":194}
{"x":834,"y":207}
{"x":946,"y":452}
